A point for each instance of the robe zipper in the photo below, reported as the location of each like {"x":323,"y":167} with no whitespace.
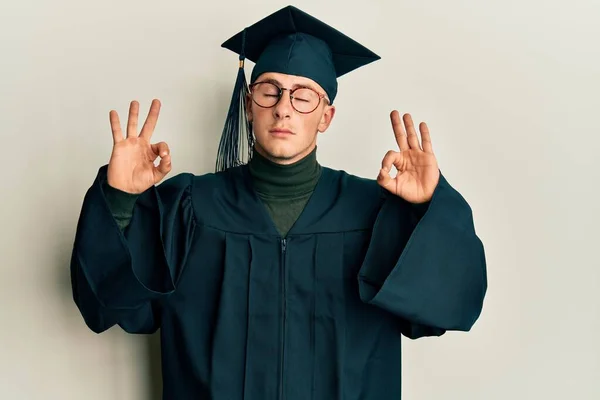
{"x":283,"y":322}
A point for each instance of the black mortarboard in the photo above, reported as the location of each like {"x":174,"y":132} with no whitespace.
{"x":290,"y":42}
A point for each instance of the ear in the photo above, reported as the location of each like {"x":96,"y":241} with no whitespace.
{"x":326,"y":118}
{"x":249,"y":107}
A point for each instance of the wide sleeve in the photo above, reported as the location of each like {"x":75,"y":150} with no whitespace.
{"x":426,"y":264}
{"x":119,"y":276}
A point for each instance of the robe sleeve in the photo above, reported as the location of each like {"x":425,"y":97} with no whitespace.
{"x":425,"y":264}
{"x":120,"y":275}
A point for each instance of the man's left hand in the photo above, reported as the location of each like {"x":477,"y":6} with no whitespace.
{"x":418,"y":172}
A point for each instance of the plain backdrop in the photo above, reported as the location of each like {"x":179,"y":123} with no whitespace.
{"x":510,"y":90}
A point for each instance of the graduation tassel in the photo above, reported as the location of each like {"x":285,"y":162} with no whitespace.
{"x":237,"y":139}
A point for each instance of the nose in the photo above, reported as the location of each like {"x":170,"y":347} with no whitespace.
{"x":283,"y":109}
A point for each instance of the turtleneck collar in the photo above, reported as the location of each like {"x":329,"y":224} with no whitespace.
{"x":274,"y":180}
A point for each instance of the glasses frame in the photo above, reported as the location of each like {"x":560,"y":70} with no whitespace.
{"x":321,"y":96}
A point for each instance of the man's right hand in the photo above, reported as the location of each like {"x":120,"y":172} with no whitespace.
{"x":131,"y":167}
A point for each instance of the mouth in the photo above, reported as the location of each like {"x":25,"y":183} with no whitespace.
{"x":280,"y":132}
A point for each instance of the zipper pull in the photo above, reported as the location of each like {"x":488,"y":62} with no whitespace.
{"x":283,"y":245}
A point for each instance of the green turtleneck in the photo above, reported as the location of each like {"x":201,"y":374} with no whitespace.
{"x":284,"y":190}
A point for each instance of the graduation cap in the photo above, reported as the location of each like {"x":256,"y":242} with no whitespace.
{"x":291,"y":42}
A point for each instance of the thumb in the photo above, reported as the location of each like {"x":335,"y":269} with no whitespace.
{"x":384,"y":179}
{"x":162,"y":169}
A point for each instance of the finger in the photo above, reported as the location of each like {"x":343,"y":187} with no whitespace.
{"x":150,"y":124}
{"x":161,"y":149}
{"x":425,"y":138}
{"x":162,"y":169}
{"x":391,"y":158}
{"x":132,"y":122}
{"x":385,"y":180}
{"x":115,"y":126}
{"x":399,"y":131}
{"x":413,"y":140}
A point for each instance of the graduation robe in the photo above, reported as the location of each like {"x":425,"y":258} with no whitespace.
{"x":246,"y":314}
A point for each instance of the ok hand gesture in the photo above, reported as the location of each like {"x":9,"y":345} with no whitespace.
{"x":131,"y":167}
{"x":418,"y":172}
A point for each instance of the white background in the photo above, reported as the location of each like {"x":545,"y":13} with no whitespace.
{"x":510,"y":90}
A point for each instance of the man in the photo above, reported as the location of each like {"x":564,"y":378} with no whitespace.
{"x":279,"y":278}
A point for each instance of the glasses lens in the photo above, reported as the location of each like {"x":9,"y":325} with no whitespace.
{"x":305,"y":100}
{"x":265,"y":94}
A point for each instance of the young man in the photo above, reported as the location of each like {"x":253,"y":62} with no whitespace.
{"x":279,"y":278}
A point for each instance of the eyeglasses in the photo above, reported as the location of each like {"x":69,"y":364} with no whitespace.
{"x":267,"y":94}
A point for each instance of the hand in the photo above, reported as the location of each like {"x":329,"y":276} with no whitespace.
{"x":131,"y":167}
{"x":418,"y":172}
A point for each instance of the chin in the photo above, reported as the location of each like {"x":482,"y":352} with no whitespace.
{"x":281,"y":154}
{"x":280,"y":151}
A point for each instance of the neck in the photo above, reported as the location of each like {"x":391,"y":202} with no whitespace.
{"x":284,"y":180}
